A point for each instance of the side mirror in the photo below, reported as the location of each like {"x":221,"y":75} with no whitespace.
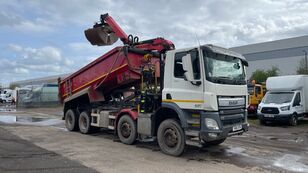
{"x":187,"y":67}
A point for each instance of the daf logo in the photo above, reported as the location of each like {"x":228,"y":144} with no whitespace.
{"x":233,"y":102}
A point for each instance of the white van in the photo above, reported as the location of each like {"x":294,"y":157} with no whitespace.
{"x":286,"y":99}
{"x":6,"y":96}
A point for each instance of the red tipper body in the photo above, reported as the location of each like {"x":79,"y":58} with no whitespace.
{"x":109,"y":71}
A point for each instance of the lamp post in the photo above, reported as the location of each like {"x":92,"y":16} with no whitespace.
{"x":306,"y":68}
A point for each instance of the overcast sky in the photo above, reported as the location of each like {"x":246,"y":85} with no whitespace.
{"x":42,"y":38}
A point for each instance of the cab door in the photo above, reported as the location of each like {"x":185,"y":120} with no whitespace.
{"x":298,"y":104}
{"x":178,"y":90}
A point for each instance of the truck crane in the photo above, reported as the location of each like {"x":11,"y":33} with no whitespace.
{"x":148,"y":90}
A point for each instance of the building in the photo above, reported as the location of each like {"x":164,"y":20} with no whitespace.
{"x":284,"y":54}
{"x":39,"y":81}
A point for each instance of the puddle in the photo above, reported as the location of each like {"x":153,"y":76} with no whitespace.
{"x":29,"y":120}
{"x":237,"y":150}
{"x":291,"y":163}
{"x":281,"y":139}
{"x":7,"y":109}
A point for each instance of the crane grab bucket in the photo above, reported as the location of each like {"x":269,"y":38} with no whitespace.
{"x":101,"y":36}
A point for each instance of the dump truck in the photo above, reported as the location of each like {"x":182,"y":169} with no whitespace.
{"x":148,"y":90}
{"x":256,"y":93}
{"x":286,"y":99}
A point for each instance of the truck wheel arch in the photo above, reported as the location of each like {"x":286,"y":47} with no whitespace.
{"x":167,"y":111}
{"x":76,"y":103}
{"x":130,"y":112}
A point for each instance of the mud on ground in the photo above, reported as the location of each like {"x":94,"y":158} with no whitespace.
{"x":272,"y":148}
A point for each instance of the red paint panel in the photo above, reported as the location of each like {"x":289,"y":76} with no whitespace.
{"x":108,"y":71}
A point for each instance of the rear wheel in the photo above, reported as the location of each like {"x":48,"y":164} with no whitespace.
{"x":71,"y":120}
{"x":171,"y":138}
{"x":85,"y":123}
{"x":293,"y":120}
{"x":127,"y":130}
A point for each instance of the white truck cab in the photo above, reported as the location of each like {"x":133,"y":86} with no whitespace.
{"x":207,"y":85}
{"x":286,"y":99}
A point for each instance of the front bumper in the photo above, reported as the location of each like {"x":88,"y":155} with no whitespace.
{"x":252,"y":109}
{"x":274,"y":117}
{"x":224,"y":130}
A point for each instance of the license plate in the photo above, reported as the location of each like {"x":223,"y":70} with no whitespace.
{"x":269,"y":115}
{"x":237,"y":127}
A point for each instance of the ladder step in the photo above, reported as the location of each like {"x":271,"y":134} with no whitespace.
{"x":112,"y":117}
{"x":193,"y":121}
{"x":192,"y":133}
{"x":111,"y":127}
{"x":193,"y":143}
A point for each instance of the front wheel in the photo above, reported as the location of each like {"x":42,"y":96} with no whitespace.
{"x":127,"y":130}
{"x":262,"y":122}
{"x":171,"y":138}
{"x":293,"y":120}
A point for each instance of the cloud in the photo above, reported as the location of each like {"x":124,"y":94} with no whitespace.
{"x":45,"y":60}
{"x":227,"y":23}
{"x":40,"y":56}
{"x":12,"y":21}
{"x":52,"y":31}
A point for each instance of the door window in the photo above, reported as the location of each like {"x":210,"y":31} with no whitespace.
{"x":258,"y":90}
{"x":178,"y":66}
{"x":297,"y":100}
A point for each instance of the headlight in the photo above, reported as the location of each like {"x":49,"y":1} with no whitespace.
{"x":285,"y":108}
{"x":259,"y":108}
{"x":211,"y":124}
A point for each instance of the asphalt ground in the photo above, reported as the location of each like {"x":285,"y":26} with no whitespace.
{"x":18,"y":155}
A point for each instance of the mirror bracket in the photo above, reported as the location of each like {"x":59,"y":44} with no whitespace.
{"x":197,"y":83}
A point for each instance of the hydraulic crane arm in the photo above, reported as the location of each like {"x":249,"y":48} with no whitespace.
{"x":107,"y":32}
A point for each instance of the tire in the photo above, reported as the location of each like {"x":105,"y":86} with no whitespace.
{"x":293,"y":120}
{"x":71,"y":120}
{"x":262,"y":122}
{"x":165,"y":130}
{"x":214,"y":143}
{"x":85,"y":123}
{"x":127,"y":130}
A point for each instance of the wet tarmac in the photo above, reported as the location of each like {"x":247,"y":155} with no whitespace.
{"x":25,"y":120}
{"x":274,"y":148}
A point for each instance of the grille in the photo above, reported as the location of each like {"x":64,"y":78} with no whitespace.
{"x":232,"y":121}
{"x":270,"y":110}
{"x":231,"y":117}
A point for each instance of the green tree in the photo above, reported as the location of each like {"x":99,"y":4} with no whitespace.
{"x":301,"y":69}
{"x":13,"y":86}
{"x":261,"y":75}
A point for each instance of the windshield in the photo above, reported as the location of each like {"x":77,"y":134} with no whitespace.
{"x":224,"y":69}
{"x":278,"y":97}
{"x":250,"y":90}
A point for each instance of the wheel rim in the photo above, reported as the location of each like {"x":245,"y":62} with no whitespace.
{"x":294,"y":121}
{"x":125,"y":129}
{"x":83,"y":122}
{"x":171,"y":137}
{"x":70,"y":120}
